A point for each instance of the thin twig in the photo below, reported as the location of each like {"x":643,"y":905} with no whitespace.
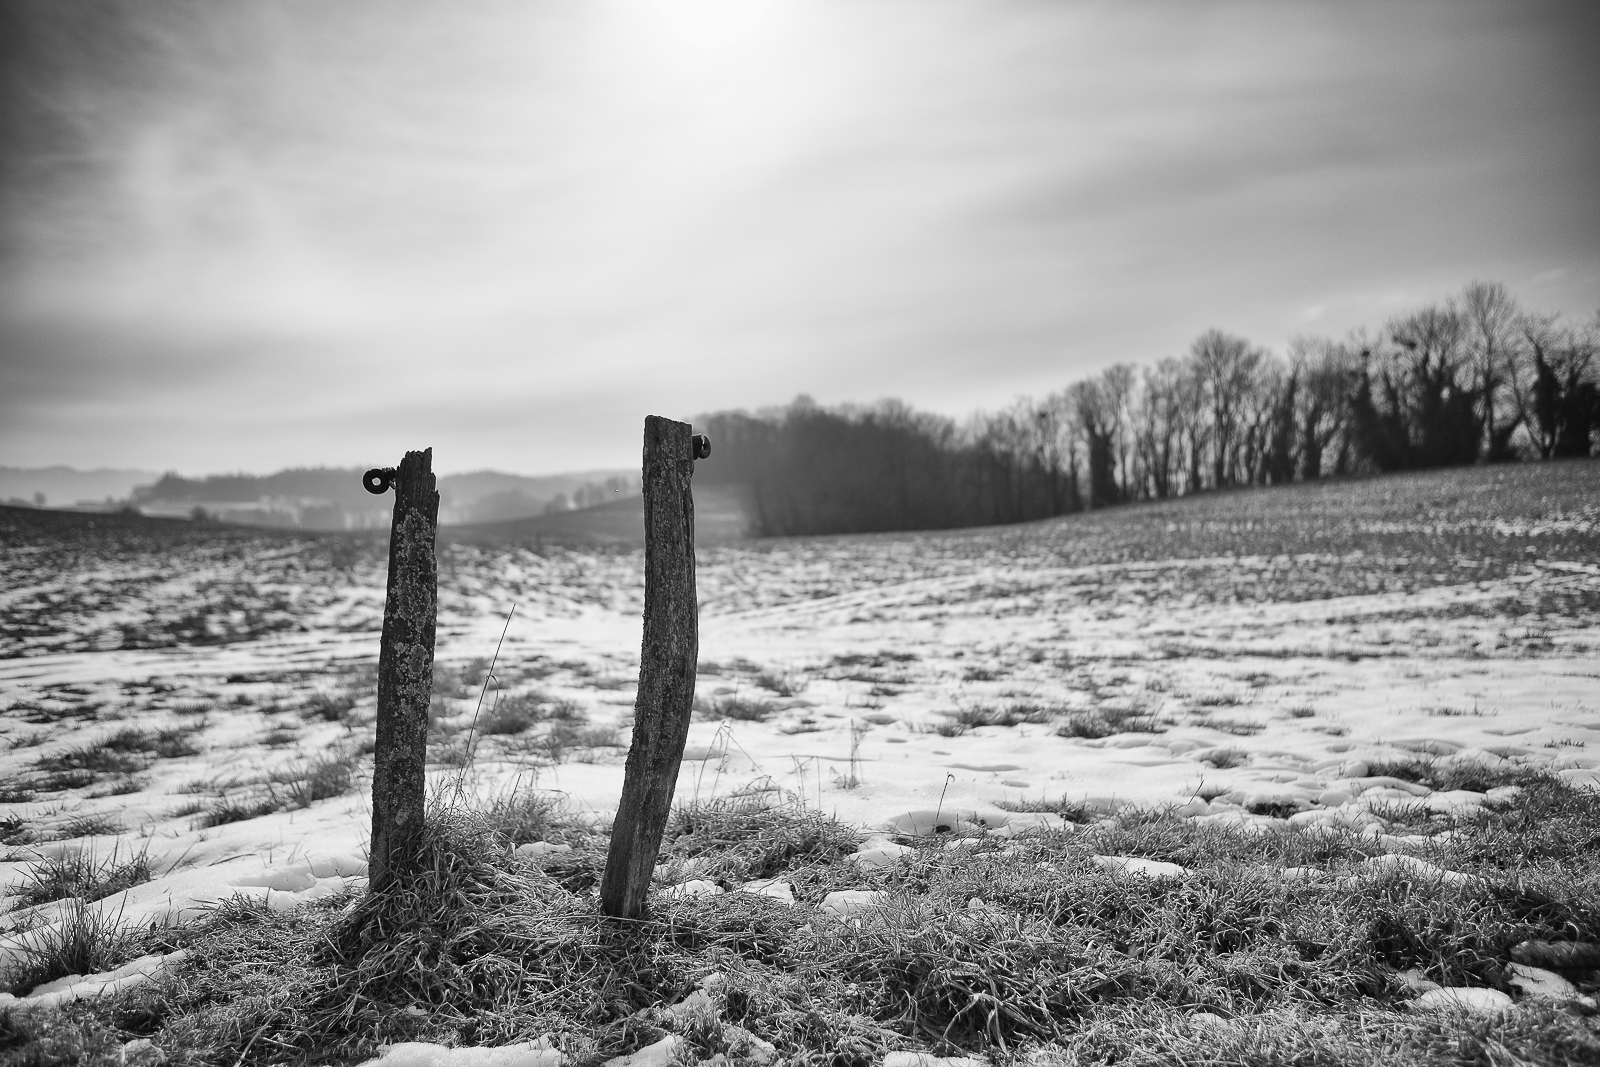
{"x":936,"y":811}
{"x":487,"y":678}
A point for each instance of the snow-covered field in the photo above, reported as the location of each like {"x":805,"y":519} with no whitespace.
{"x":191,"y":692}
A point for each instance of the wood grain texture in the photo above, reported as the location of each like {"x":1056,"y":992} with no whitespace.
{"x":667,"y":662}
{"x":405,"y":673}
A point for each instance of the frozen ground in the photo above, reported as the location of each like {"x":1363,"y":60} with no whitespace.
{"x":203,"y":696}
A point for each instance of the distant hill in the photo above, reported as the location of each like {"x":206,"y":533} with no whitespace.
{"x":330,"y":498}
{"x":490,"y":496}
{"x":64,"y":487}
{"x":721,"y":515}
{"x":319,"y":498}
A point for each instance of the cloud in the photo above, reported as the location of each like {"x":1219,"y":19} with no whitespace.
{"x":295,"y":219}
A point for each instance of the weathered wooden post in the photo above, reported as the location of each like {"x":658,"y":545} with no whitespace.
{"x":667,"y":661}
{"x":405,"y":668}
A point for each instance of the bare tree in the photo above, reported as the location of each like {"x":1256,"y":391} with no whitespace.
{"x":1117,"y":383}
{"x":1097,"y":420}
{"x":1050,"y":443}
{"x":1158,"y":422}
{"x":1260,"y":402}
{"x":1194,"y":426}
{"x":1562,"y":402}
{"x":1064,"y":417}
{"x":1324,"y":373}
{"x":1416,"y":401}
{"x":1492,"y":323}
{"x":1226,"y":365}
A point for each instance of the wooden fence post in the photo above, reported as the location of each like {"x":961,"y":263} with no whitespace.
{"x":667,"y":661}
{"x":405,"y":668}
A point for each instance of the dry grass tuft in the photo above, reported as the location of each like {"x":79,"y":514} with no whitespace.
{"x":1021,"y":951}
{"x":82,"y":940}
{"x":82,"y":875}
{"x":1224,"y":759}
{"x":293,"y":786}
{"x":1108,"y":719}
{"x":739,"y":708}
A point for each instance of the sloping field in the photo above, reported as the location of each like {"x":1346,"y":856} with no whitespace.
{"x":720,"y":516}
{"x":1304,"y":660}
{"x":1295,"y":610}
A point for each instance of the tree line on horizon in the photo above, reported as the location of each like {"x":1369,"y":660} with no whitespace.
{"x":1473,"y":379}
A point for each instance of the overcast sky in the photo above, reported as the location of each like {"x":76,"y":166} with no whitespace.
{"x":250,"y":236}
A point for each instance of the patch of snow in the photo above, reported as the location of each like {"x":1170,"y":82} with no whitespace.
{"x":539,"y":1053}
{"x":1455,"y":801}
{"x":882,"y":854}
{"x":1413,"y":981}
{"x":1464,"y":999}
{"x":928,"y":1059}
{"x":848,"y":903}
{"x":1536,"y":983}
{"x":1580,"y":778}
{"x":776,"y":888}
{"x":1414,"y":868}
{"x":930,"y":823}
{"x":697,"y":1002}
{"x":81,"y":987}
{"x":1032,"y":822}
{"x":1139,"y":867}
{"x":663,"y":1053}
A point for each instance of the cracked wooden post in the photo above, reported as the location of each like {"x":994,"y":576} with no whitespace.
{"x":405,"y":668}
{"x":667,"y":659}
